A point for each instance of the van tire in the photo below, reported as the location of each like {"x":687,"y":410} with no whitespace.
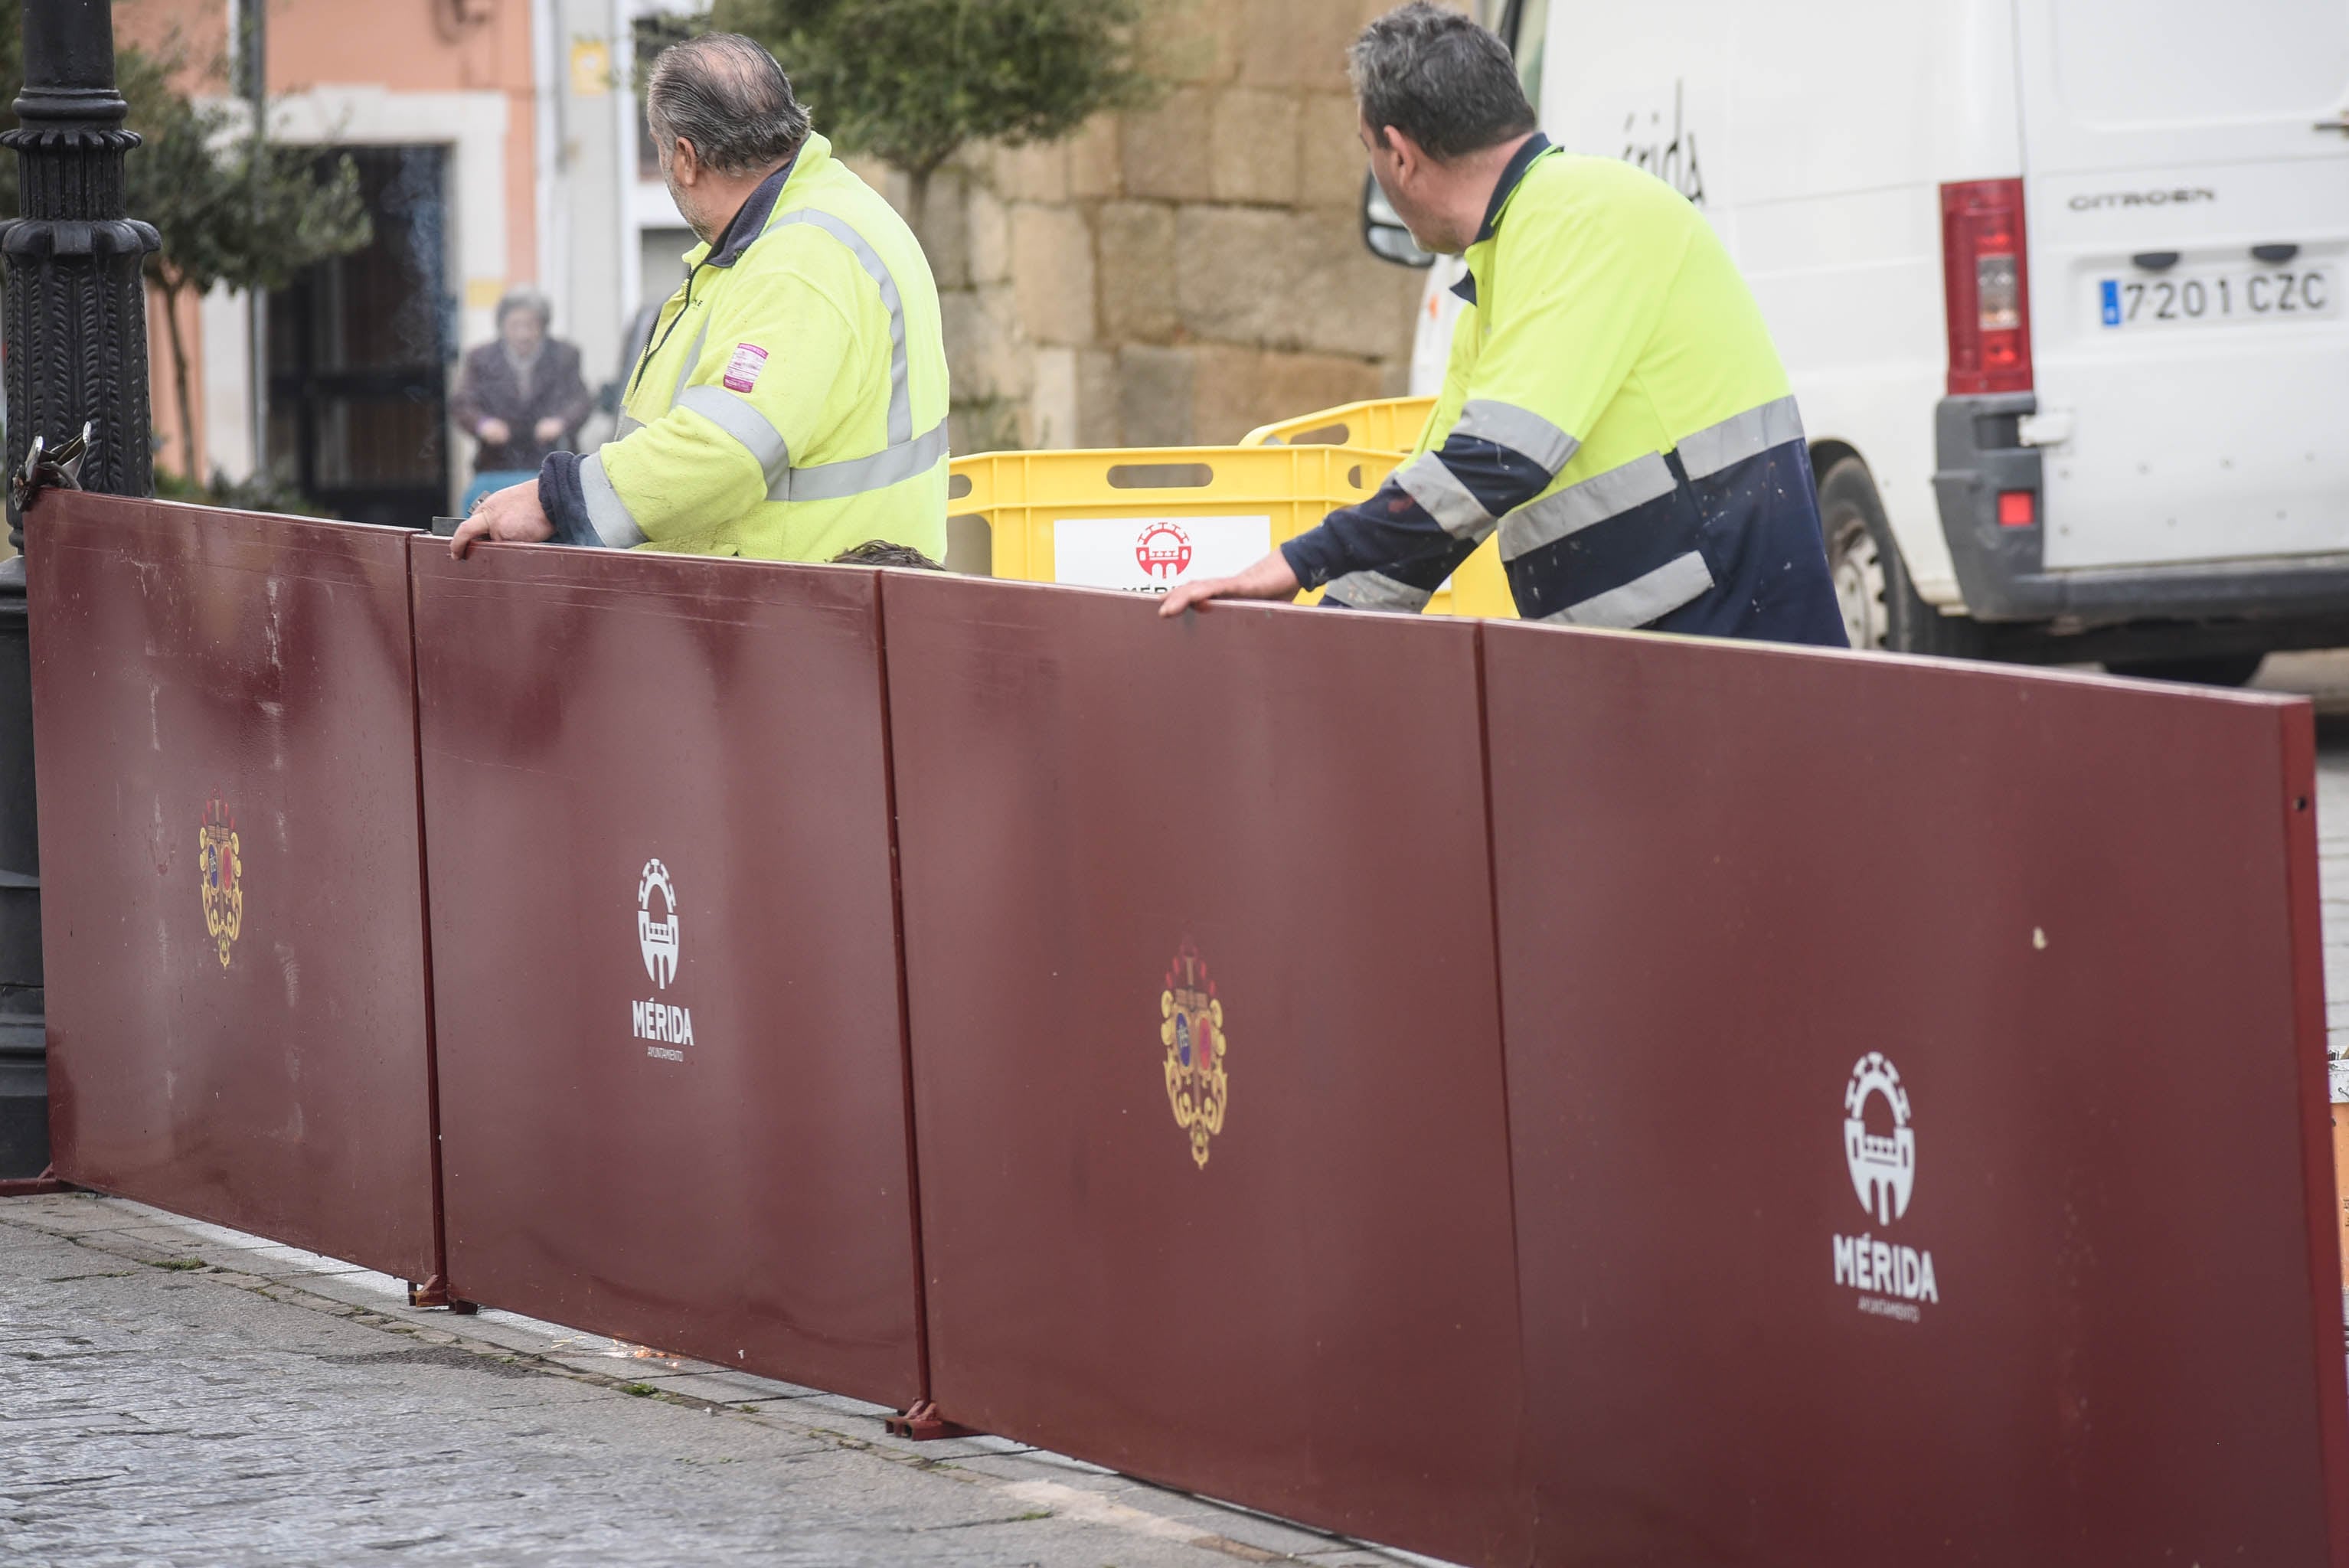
{"x":1880,"y":606}
{"x":2209,"y":669}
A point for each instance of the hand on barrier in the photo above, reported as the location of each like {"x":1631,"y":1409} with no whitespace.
{"x":1269,"y":578}
{"x":509,"y":516}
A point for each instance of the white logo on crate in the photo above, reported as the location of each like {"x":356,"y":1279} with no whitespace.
{"x":1894,"y":1281}
{"x":667,"y":1028}
{"x":1151,"y":554}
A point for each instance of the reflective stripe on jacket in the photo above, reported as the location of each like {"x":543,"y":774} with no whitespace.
{"x":793,"y":401}
{"x":1615,"y":410}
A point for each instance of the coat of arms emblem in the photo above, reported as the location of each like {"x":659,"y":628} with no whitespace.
{"x":1191,"y":1027}
{"x":222,"y":877}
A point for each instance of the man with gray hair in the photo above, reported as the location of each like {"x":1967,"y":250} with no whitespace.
{"x":792,"y":400}
{"x":1614,"y":406}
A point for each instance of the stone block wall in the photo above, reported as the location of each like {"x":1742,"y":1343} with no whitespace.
{"x":1178,"y":274}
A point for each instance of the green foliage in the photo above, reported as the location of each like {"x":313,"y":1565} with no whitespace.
{"x":233,"y":211}
{"x":231,"y":208}
{"x":913,"y":80}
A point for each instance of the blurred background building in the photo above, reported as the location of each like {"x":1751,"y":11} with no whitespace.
{"x":1174,"y":273}
{"x":1183,"y":273}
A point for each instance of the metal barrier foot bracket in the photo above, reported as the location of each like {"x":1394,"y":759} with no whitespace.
{"x":434,"y":1292}
{"x":923,"y":1423}
{"x":48,"y":1181}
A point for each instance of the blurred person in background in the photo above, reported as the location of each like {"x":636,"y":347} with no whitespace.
{"x":521,"y":397}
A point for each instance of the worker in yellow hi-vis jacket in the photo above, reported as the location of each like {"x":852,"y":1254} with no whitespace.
{"x":1614,"y":407}
{"x":793,"y":401}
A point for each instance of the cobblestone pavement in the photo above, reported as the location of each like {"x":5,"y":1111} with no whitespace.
{"x":171,"y":1393}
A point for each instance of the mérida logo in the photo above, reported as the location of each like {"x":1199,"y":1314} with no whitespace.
{"x":667,"y":1029}
{"x":1894,"y":1280}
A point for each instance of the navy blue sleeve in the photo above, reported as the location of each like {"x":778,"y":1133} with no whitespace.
{"x":1434,"y":508}
{"x":1388,"y":529}
{"x":564,"y":503}
{"x":1398,"y":588}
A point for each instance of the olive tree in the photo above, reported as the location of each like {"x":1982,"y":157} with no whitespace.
{"x":230,"y":206}
{"x":232,"y":209}
{"x":913,"y":81}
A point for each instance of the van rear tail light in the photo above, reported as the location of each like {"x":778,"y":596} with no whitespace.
{"x":1986,"y":285}
{"x":2017,"y":509}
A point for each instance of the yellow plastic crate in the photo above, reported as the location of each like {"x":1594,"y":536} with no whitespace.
{"x":1144,"y":519}
{"x":1393,"y":424}
{"x":1383,"y":425}
{"x":1480,"y":587}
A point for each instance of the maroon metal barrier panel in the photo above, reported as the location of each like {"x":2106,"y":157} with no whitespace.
{"x":233,"y":927}
{"x":672,"y":1062}
{"x":1916,"y":1102}
{"x":1207,"y":1066}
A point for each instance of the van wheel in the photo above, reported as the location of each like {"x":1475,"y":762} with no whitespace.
{"x":1880,"y":607}
{"x":2215,"y":669}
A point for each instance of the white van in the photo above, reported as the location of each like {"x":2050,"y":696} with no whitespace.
{"x":2060,"y":285}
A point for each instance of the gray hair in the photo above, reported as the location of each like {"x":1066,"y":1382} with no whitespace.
{"x":881,"y":553}
{"x":522,"y":297}
{"x":1439,"y":78}
{"x":728,"y":97}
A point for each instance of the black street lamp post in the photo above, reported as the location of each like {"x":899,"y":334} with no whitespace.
{"x":75,"y":344}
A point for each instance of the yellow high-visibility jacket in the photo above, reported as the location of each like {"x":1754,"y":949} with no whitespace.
{"x":1615,"y":410}
{"x":792,"y":400}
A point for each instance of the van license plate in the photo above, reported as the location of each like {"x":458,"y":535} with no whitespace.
{"x":2262,"y":294}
